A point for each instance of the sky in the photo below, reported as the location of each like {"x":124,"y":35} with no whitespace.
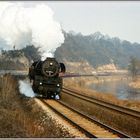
{"x":115,"y":18}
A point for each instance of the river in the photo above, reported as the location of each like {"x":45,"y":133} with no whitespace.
{"x":118,"y":88}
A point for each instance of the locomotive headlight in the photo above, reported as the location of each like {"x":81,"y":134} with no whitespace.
{"x":40,"y":83}
{"x":51,"y":64}
{"x":58,"y":85}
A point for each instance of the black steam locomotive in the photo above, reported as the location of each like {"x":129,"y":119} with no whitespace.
{"x":46,"y":79}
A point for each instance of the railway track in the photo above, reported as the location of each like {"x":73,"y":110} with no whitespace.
{"x":122,"y":110}
{"x":87,"y":125}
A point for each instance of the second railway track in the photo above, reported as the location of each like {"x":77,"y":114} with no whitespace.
{"x":123,"y":110}
{"x":118,"y":117}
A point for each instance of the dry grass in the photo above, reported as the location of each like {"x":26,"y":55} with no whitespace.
{"x":135,"y":83}
{"x":10,"y":120}
{"x":21,"y":117}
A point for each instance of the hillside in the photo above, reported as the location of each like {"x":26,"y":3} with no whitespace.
{"x":18,"y":59}
{"x":13,"y":60}
{"x":79,"y":67}
{"x":97,"y":49}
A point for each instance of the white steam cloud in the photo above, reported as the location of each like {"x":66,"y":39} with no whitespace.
{"x":26,"y":89}
{"x":22,"y":24}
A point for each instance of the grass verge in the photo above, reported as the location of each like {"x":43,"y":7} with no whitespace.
{"x":21,"y":117}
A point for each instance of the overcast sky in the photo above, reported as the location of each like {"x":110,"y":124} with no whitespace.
{"x":115,"y":18}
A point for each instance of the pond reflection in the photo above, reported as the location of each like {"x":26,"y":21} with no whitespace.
{"x":118,"y":88}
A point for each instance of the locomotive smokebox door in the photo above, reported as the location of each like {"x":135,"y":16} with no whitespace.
{"x":50,"y":67}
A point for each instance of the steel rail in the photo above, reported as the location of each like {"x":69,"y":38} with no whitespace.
{"x":114,"y":131}
{"x":88,"y":134}
{"x":120,"y":109}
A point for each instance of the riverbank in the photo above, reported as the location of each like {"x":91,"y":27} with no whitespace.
{"x":135,"y":84}
{"x":81,"y":84}
{"x":86,"y":81}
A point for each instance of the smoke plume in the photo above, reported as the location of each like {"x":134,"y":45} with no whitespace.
{"x":29,"y":24}
{"x":26,"y":89}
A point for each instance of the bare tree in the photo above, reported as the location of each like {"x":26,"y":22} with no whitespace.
{"x":134,"y":67}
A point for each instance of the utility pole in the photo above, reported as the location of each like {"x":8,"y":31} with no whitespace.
{"x":14,"y":47}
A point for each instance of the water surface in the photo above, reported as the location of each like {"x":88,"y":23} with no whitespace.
{"x":118,"y":88}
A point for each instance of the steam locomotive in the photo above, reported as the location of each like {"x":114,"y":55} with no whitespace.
{"x":46,"y":79}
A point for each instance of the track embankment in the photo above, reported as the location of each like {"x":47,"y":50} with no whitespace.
{"x":60,"y":123}
{"x":82,"y":122}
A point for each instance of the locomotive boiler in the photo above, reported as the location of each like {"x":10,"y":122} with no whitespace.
{"x":46,"y":79}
